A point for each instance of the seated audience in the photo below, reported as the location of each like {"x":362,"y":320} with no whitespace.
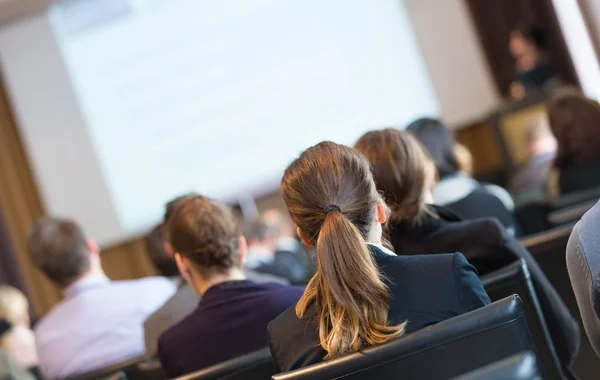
{"x":583,"y":264}
{"x":541,"y":151}
{"x":401,"y":172}
{"x":99,"y":321}
{"x":362,"y":294}
{"x":265,"y":255}
{"x":455,"y":189}
{"x":185,"y":300}
{"x":19,"y":341}
{"x":575,"y":121}
{"x":232,"y":317}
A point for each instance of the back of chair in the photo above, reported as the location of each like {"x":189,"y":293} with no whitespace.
{"x":113,"y":372}
{"x":517,"y":367}
{"x":254,"y":366}
{"x":515,"y":279}
{"x":449,"y":348}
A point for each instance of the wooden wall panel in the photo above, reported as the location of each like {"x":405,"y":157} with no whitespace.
{"x":21,"y":205}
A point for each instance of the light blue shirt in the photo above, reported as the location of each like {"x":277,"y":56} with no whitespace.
{"x":98,"y":323}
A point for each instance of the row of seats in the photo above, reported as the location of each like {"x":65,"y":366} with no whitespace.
{"x":445,"y":343}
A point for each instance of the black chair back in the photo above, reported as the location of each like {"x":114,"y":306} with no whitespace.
{"x":113,"y":372}
{"x":517,"y":367}
{"x":515,"y":279}
{"x":549,"y":249}
{"x":254,"y":366}
{"x":449,"y":348}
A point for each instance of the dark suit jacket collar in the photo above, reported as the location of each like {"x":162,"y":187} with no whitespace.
{"x":432,"y":219}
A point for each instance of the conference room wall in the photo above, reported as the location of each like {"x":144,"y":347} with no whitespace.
{"x":591,"y":13}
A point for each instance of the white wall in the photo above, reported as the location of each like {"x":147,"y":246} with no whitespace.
{"x":454,"y":58}
{"x":581,"y":47}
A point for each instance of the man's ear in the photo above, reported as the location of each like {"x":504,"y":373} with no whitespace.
{"x":303,"y":237}
{"x":381,"y":211}
{"x":184,"y":267}
{"x":243,"y":249}
{"x":168,"y":248}
{"x":91,"y":246}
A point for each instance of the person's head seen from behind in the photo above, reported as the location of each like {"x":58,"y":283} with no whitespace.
{"x":330,"y":195}
{"x":206,"y":242}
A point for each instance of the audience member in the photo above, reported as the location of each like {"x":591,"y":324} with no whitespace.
{"x":185,"y":300}
{"x":399,"y":167}
{"x":19,"y":341}
{"x":362,"y":294}
{"x":98,"y":322}
{"x":464,"y":159}
{"x":264,"y":237}
{"x":233,"y":314}
{"x":575,"y":121}
{"x":455,"y":189}
{"x":541,"y":151}
{"x":583,"y":264}
{"x":534,"y":68}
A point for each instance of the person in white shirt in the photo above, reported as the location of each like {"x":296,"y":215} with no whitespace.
{"x":99,"y":322}
{"x":19,"y":340}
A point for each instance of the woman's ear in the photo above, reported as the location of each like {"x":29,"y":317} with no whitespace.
{"x":303,"y":238}
{"x":184,"y":267}
{"x":381,"y":211}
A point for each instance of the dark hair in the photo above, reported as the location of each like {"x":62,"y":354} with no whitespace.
{"x":58,"y":248}
{"x":399,"y":164}
{"x":575,"y":122}
{"x":206,"y":232}
{"x":439,"y":142}
{"x":533,"y":33}
{"x":155,"y":246}
{"x":348,"y":291}
{"x":172,"y":205}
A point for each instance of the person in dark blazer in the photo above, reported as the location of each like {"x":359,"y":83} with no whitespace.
{"x":575,"y":122}
{"x":232,"y":316}
{"x":403,"y":173}
{"x":454,"y":188}
{"x":362,"y":293}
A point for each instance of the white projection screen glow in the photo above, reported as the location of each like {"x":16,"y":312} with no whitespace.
{"x":125,"y":104}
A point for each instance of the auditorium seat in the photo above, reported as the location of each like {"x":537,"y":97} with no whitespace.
{"x":515,"y":279}
{"x":113,"y":372}
{"x":254,"y":366}
{"x":517,"y":367}
{"x":549,"y":250}
{"x":449,"y":348}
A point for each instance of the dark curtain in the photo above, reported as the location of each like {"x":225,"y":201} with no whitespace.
{"x":494,"y":20}
{"x":9,"y":268}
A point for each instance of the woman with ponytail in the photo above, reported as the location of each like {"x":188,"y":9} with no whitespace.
{"x":362,"y":293}
{"x":404,"y":174}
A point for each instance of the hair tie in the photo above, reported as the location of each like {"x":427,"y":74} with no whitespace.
{"x":332,"y":207}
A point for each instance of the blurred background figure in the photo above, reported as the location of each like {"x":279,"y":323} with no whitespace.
{"x":534,"y":69}
{"x":9,"y":368}
{"x":98,"y":322}
{"x":19,"y":340}
{"x":273,"y":248}
{"x":455,"y":189}
{"x":541,"y":149}
{"x":575,"y":122}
